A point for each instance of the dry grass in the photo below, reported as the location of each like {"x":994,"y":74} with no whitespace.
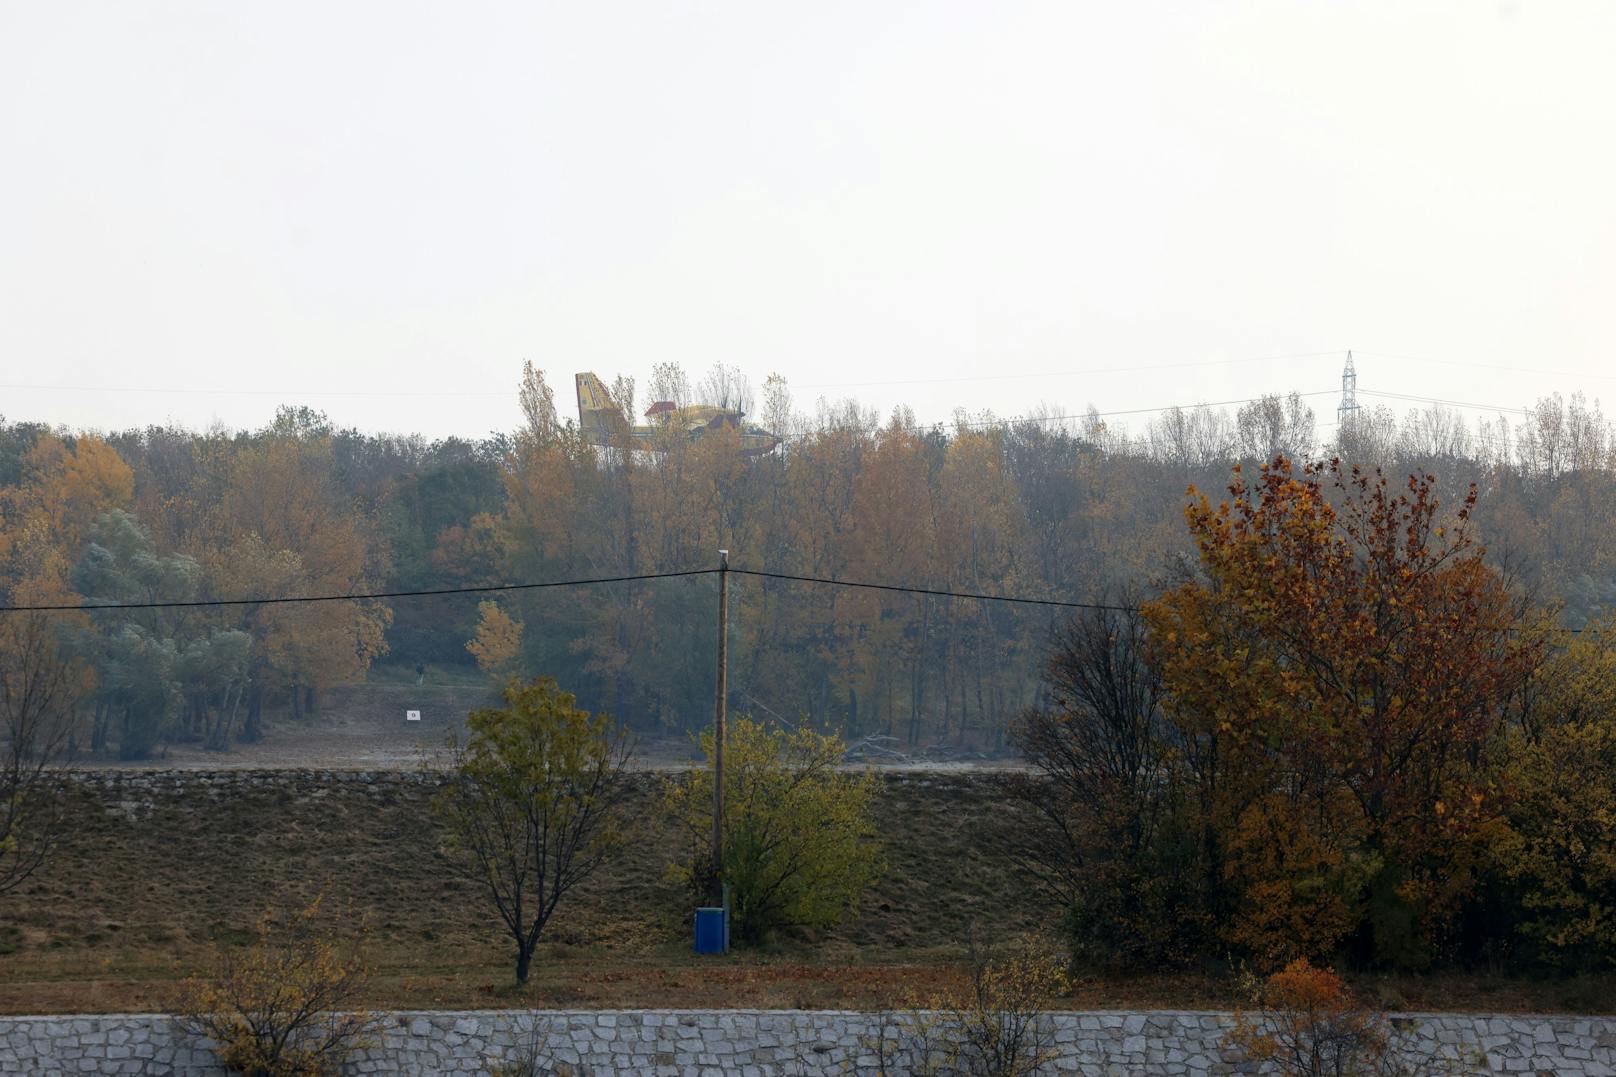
{"x":148,"y":884}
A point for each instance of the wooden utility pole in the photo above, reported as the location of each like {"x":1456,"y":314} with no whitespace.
{"x":718,"y":727}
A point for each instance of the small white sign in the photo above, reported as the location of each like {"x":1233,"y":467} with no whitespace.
{"x":412,"y":716}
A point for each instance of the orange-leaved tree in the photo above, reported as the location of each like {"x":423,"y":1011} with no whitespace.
{"x":1339,"y":671}
{"x":1312,"y":1026}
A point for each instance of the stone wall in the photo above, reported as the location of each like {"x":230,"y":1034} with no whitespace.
{"x":706,"y":1043}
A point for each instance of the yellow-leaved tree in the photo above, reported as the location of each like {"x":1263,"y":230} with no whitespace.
{"x":44,"y":520}
{"x":799,"y":837}
{"x":282,"y":527}
{"x":1560,"y":848}
{"x":498,"y":642}
{"x":285,"y":1005}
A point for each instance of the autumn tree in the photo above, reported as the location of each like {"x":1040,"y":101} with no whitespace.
{"x":1556,"y":859}
{"x":727,"y":387}
{"x":671,"y":384}
{"x":212,"y":673}
{"x":1272,"y":426}
{"x":798,"y":656}
{"x":438,"y":523}
{"x":64,"y":487}
{"x":40,"y":687}
{"x":1190,"y":440}
{"x":534,"y":804}
{"x":995,"y":1024}
{"x":800,"y":843}
{"x":249,"y":567}
{"x":891,"y":536}
{"x":1104,"y":820}
{"x":1310,"y":1025}
{"x":286,"y":1005}
{"x":538,"y":406}
{"x":1347,"y":654}
{"x":1050,"y":504}
{"x":981,"y":542}
{"x":498,"y":641}
{"x":161,"y":672}
{"x":281,"y":529}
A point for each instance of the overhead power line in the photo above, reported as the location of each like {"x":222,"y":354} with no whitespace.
{"x":285,"y":393}
{"x":978,"y":596}
{"x":1131,"y":411}
{"x":1489,"y":366}
{"x":1443,"y":402}
{"x":353,"y":597}
{"x":935,"y":591}
{"x":488,"y":588}
{"x":1134,"y":368}
{"x":1414,"y":399}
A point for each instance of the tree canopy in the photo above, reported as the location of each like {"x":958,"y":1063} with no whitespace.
{"x":1048,"y":506}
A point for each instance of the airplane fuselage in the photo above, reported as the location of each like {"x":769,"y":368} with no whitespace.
{"x":602,"y":423}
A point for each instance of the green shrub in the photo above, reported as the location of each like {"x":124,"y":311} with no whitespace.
{"x":799,"y":838}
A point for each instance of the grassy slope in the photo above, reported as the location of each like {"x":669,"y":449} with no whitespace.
{"x":146,"y":886}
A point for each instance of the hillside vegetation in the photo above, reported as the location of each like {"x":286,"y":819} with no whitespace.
{"x":1062,"y":508}
{"x":159,"y":868}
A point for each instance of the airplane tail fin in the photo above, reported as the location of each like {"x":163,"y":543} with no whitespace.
{"x":598,"y":417}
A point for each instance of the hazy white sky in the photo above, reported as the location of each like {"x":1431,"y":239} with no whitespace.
{"x":381,"y":209}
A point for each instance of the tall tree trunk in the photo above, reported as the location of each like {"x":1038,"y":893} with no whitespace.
{"x":253,"y":730}
{"x":229,"y":717}
{"x":914,"y":701}
{"x":981,"y":704}
{"x":965,"y":711}
{"x":917,"y":706}
{"x":219,"y":729}
{"x":524,"y":958}
{"x":98,"y":727}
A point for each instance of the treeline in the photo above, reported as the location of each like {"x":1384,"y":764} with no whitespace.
{"x":166,"y":517}
{"x":1345,"y":736}
{"x":1070,"y":508}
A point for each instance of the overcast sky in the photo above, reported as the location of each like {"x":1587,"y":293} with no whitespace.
{"x":381,"y":209}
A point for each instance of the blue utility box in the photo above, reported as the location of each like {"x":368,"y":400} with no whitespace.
{"x":712,"y":930}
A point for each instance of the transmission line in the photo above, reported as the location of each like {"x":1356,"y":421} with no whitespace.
{"x":939,"y":592}
{"x":1490,"y":366}
{"x":355,"y":597}
{"x":1017,"y":599}
{"x":495,"y":587}
{"x":1129,"y":369}
{"x":1015,"y":420}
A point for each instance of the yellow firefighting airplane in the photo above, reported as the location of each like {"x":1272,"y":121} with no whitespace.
{"x":602,"y":422}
